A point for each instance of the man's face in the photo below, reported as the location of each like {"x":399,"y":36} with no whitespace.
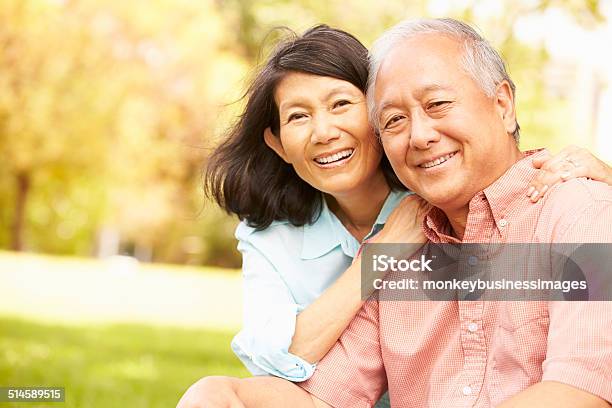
{"x":445,"y":138}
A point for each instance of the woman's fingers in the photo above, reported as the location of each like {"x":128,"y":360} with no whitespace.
{"x":539,"y":161}
{"x":569,"y":163}
{"x":404,"y":223}
{"x":408,"y":206}
{"x":548,"y":178}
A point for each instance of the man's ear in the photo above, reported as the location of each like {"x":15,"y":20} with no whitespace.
{"x":504,"y":103}
{"x":275,"y":144}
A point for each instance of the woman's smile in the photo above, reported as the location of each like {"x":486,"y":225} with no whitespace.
{"x":334,"y":159}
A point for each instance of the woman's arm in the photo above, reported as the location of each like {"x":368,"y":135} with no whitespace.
{"x":569,"y":163}
{"x":321,"y":324}
{"x":269,"y":318}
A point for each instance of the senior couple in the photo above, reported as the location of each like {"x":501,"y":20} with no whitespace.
{"x":307,"y":176}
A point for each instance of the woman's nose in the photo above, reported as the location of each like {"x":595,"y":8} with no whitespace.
{"x":324,"y":129}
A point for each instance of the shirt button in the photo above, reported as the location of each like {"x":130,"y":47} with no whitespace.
{"x":503,"y":222}
{"x":467,"y":390}
{"x":472,"y":327}
{"x":472,"y":260}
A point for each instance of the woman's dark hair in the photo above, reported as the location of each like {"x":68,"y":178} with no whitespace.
{"x":248,"y":178}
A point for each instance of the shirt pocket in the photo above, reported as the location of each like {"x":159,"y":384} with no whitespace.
{"x":518,"y":348}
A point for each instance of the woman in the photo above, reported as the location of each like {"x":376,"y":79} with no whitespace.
{"x":305,"y":173}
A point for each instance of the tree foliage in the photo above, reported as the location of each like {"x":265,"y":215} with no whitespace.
{"x":108,"y":109}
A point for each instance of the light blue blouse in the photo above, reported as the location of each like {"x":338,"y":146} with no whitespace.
{"x":285,"y":268}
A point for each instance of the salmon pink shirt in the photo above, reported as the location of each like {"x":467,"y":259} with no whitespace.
{"x":480,"y":353}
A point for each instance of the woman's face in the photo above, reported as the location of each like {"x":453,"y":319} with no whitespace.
{"x":325,"y":134}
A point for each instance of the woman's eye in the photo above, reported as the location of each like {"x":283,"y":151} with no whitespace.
{"x":341,"y":103}
{"x":295,"y":116}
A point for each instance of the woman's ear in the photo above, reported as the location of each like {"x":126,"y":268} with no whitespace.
{"x":275,"y":144}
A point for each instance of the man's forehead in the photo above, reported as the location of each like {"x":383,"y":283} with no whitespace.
{"x":424,"y":63}
{"x":429,"y":42}
{"x":422,"y":51}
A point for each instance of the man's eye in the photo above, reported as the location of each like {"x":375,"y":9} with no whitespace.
{"x":341,"y":103}
{"x":393,"y":121}
{"x":438,"y":104}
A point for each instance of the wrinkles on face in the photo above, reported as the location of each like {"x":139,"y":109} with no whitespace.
{"x":442,"y":134}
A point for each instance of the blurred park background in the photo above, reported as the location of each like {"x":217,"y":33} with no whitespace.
{"x":118,"y":280}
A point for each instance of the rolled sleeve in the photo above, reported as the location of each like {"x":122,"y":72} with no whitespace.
{"x":352,"y":374}
{"x":579,"y":350}
{"x":269,"y":321}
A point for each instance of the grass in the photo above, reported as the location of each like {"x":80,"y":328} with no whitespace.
{"x":111,"y":366}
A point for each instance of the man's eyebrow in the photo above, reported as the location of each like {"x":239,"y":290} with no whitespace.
{"x":418,"y":93}
{"x":431,"y":88}
{"x":385,"y":105}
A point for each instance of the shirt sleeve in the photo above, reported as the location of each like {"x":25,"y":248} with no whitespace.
{"x":579,"y":350}
{"x":269,"y":321}
{"x":352,"y":374}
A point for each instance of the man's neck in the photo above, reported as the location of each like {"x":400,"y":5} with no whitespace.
{"x":457,"y":216}
{"x":458,"y":221}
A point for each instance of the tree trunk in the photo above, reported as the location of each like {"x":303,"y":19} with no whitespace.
{"x":23,"y":188}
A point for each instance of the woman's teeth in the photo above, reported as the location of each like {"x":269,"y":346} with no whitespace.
{"x":335,"y":157}
{"x":437,"y":161}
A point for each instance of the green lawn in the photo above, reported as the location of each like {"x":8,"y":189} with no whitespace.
{"x":111,"y":366}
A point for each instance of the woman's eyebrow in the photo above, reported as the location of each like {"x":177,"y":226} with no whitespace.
{"x":299,"y":102}
{"x":340,"y":89}
{"x":295,"y":102}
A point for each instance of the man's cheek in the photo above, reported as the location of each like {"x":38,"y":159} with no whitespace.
{"x":394,"y":151}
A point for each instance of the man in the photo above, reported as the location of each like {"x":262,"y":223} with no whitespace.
{"x":444,"y":108}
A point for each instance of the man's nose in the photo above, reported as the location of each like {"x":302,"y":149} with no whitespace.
{"x":422,"y":133}
{"x":324,"y":129}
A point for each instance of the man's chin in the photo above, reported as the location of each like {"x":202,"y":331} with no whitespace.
{"x":442,"y":198}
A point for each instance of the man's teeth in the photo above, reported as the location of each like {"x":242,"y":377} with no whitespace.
{"x":335,"y":157}
{"x":437,"y":161}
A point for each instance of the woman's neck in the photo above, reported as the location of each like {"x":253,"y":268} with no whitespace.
{"x":358,"y":209}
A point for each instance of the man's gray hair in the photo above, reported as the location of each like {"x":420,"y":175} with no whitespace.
{"x":480,"y":60}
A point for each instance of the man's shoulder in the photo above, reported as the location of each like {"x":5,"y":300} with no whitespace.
{"x":577,"y":205}
{"x":577,"y":193}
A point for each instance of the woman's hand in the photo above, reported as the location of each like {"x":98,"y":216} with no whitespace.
{"x":404,"y":225}
{"x":569,"y":163}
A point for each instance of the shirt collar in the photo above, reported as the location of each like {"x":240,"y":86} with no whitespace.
{"x":512,"y":185}
{"x":319,"y":236}
{"x":500,"y":197}
{"x":322,"y":236}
